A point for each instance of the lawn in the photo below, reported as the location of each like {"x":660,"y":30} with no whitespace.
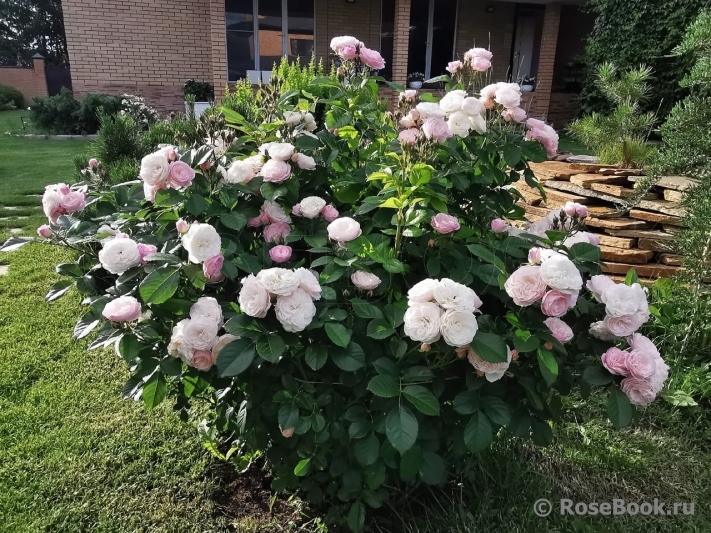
{"x":75,"y":457}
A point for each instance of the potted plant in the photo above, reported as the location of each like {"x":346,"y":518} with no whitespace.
{"x":199,"y":96}
{"x":528,"y":84}
{"x":415,"y":80}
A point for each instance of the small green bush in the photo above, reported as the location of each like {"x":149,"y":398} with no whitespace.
{"x":203,"y":91}
{"x":123,"y":170}
{"x":10,"y":94}
{"x":118,"y":138}
{"x":87,"y":116}
{"x":56,"y":114}
{"x":243,"y":100}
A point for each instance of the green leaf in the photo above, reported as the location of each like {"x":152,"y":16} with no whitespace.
{"x":422,"y":398}
{"x":478,"y":433}
{"x":235,"y":357}
{"x":410,"y":463}
{"x":582,"y":251}
{"x":631,"y":277}
{"x":155,"y":390}
{"x":548,"y":366}
{"x":350,"y":359}
{"x":394,"y":266}
{"x":160,"y":285}
{"x":129,"y":347}
{"x":316,"y":356}
{"x":488,"y":256}
{"x":196,"y":205}
{"x":302,"y":468}
{"x":384,"y":386}
{"x":364,"y":309}
{"x":679,"y":398}
{"x":490,"y":347}
{"x":288,"y":416}
{"x":512,"y":154}
{"x":401,"y":428}
{"x":270,"y":347}
{"x":367,"y":450}
{"x":619,"y":408}
{"x":597,"y":375}
{"x":380,"y":329}
{"x":86,"y":324}
{"x":338,"y":334}
{"x":433,"y":469}
{"x":58,"y":290}
{"x":541,"y":432}
{"x":356,"y":517}
{"x":497,"y":410}
{"x":235,"y":221}
{"x":466,"y":402}
{"x":69,"y":269}
{"x":386,"y":367}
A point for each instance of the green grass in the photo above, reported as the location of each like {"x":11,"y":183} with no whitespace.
{"x":568,"y":144}
{"x":26,"y":167}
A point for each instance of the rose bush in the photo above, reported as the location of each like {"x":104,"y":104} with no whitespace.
{"x":337,"y":293}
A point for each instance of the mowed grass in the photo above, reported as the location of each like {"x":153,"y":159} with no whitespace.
{"x":26,"y":167}
{"x":74,"y":456}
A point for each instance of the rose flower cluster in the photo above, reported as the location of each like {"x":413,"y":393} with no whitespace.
{"x":162,"y":170}
{"x":626,"y":308}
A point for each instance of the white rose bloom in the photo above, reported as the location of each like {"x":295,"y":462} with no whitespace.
{"x":311,"y":206}
{"x":365,"y":281}
{"x":344,"y":229}
{"x":240,"y":172}
{"x":621,"y":300}
{"x":220,"y":343}
{"x":177,"y":347}
{"x":423,"y":291}
{"x":338,"y":42}
{"x":295,"y":311}
{"x":305,"y":162}
{"x":422,"y":322}
{"x":281,"y":151}
{"x":292,"y":118}
{"x":257,"y":162}
{"x":279,"y":281}
{"x":254,"y":299}
{"x":599,"y":331}
{"x":429,"y":109}
{"x":509,"y":96}
{"x":455,"y":296}
{"x":492,"y":371}
{"x":51,"y":200}
{"x":209,"y":308}
{"x":200,"y":333}
{"x":560,"y":273}
{"x":459,"y":124}
{"x":154,"y":168}
{"x":275,"y":212}
{"x":311,"y":126}
{"x":452,"y":101}
{"x":118,"y":255}
{"x":458,"y":327}
{"x":473,"y":106}
{"x":478,"y":124}
{"x":202,"y":242}
{"x":309,"y":283}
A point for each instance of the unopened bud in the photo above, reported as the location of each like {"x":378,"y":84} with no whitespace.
{"x":548,"y":346}
{"x":514,"y":355}
{"x":431,"y":243}
{"x":425,"y":348}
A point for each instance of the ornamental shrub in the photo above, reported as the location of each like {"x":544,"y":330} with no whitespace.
{"x":338,"y":294}
{"x":11,"y":95}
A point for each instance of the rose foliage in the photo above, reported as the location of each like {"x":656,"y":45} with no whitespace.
{"x":335,"y":290}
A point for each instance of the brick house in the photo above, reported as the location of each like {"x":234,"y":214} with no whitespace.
{"x":150,"y":47}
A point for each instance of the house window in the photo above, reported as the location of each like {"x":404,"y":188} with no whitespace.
{"x":260,"y":32}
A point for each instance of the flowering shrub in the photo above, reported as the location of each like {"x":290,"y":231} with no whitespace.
{"x":349,"y":298}
{"x":136,"y":108}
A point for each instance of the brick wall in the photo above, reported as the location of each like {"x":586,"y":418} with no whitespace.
{"x":30,"y":81}
{"x":541,"y":99}
{"x":563,"y":109}
{"x":218,"y":47}
{"x":148,"y":48}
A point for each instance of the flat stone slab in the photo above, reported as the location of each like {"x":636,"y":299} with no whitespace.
{"x":60,"y":137}
{"x":657,"y":218}
{"x":583,"y":159}
{"x":580,"y":191}
{"x":4,"y":269}
{"x":678,"y":183}
{"x":662,"y":206}
{"x":647,"y":271}
{"x":15,"y":231}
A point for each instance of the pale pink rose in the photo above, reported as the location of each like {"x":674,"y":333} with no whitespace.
{"x":276,"y":232}
{"x":508,"y":96}
{"x":63,"y":188}
{"x":534,"y":256}
{"x":525,"y":285}
{"x":599,"y":284}
{"x":149,"y":191}
{"x":182,"y":226}
{"x":171,"y":154}
{"x":273,"y":212}
{"x":408,"y":95}
{"x":275,"y":171}
{"x":472,"y":106}
{"x":640,"y":343}
{"x":443,"y":223}
{"x":347,"y":51}
{"x":330,"y":213}
{"x":639,"y":391}
{"x":641,"y":365}
{"x":515,"y":113}
{"x":371,"y":58}
{"x":454,"y":66}
{"x":487,"y":95}
{"x":365,"y":281}
{"x":480,"y":64}
{"x":212,"y":268}
{"x":593,"y":239}
{"x":344,"y":229}
{"x":280,"y":151}
{"x":409,"y":136}
{"x":264,"y":218}
{"x":560,"y":330}
{"x":180,"y":175}
{"x":415,"y":114}
{"x":255,"y":222}
{"x":574,"y":208}
{"x":93,"y":163}
{"x":305,"y":162}
{"x":205,"y":165}
{"x":408,"y":121}
{"x":288,"y":432}
{"x":44,"y":231}
{"x":623,"y":326}
{"x":280,"y":253}
{"x":543,"y":133}
{"x":122,"y":309}
{"x":615,"y":361}
{"x":144,"y":250}
{"x":556,"y":303}
{"x":498,"y":225}
{"x":296,"y":210}
{"x":478,"y":52}
{"x":202,"y":360}
{"x":344,"y":40}
{"x":73,"y":201}
{"x":253,"y":298}
{"x":436,"y":128}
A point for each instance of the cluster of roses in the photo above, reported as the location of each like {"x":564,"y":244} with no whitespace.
{"x":203,"y":245}
{"x":276,"y":229}
{"x":294,"y":119}
{"x":121,"y":253}
{"x":196,"y":340}
{"x":351,"y":49}
{"x":58,"y":200}
{"x":552,"y":279}
{"x":441,"y":308}
{"x":161,"y":170}
{"x":293,"y":293}
{"x":476,"y":60}
{"x":275,"y":170}
{"x":313,"y":206}
{"x":644,"y":369}
{"x":626,"y":308}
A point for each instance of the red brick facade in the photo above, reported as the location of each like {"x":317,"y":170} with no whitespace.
{"x":30,"y":81}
